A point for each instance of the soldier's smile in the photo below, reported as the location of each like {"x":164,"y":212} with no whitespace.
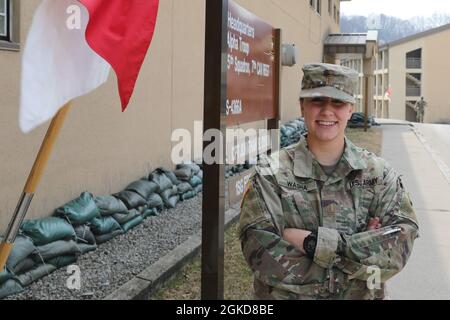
{"x":327,"y":124}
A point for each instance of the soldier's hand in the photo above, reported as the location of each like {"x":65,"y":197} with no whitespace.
{"x":374,"y":223}
{"x":296,"y":237}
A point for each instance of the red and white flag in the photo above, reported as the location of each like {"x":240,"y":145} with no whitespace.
{"x":71,"y":47}
{"x":388,"y":94}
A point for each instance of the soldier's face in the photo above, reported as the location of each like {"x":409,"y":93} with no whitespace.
{"x":325,"y":118}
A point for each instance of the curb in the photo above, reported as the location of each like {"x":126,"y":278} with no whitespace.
{"x":145,"y":284}
{"x":435,"y":155}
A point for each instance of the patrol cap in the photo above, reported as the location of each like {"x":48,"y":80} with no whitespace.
{"x":329,"y":80}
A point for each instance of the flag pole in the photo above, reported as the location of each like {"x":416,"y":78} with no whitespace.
{"x":31,"y":185}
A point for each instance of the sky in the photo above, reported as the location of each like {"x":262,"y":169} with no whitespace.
{"x":403,"y":9}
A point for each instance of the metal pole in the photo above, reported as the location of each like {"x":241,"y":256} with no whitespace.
{"x":31,"y":185}
{"x":215,"y":95}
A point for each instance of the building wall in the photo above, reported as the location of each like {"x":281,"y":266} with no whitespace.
{"x":101,"y":149}
{"x":435,"y":64}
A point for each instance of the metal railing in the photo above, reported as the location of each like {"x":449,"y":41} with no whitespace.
{"x":414,"y":63}
{"x":412,"y":91}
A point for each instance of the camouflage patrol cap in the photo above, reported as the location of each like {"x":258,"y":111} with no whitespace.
{"x":329,"y":80}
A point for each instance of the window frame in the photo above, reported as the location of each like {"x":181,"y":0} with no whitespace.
{"x":11,"y":42}
{"x":6,"y":14}
{"x":319,"y":7}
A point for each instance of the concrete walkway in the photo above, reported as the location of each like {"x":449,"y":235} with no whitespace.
{"x":427,"y":274}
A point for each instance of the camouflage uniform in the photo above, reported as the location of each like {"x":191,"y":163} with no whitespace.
{"x":297,"y":193}
{"x":300,"y":195}
{"x":420,"y":110}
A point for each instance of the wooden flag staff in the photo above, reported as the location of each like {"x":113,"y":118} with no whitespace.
{"x":30,"y":187}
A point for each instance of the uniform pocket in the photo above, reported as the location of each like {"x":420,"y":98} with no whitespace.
{"x":306,"y":211}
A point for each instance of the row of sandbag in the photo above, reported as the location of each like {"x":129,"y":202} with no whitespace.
{"x":292,"y":132}
{"x":77,"y":227}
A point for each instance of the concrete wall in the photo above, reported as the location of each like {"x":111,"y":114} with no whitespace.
{"x":100,"y":149}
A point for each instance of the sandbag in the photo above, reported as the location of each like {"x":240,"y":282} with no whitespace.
{"x":184,"y":174}
{"x":172,"y":202}
{"x":188,"y":195}
{"x":55,"y":249}
{"x":195,"y":181}
{"x":85,"y":248}
{"x":143,"y":187}
{"x":80,"y":210}
{"x":160,"y":179}
{"x":63,"y":261}
{"x":155,"y":201}
{"x":153,"y":212}
{"x":171,"y":176}
{"x":131,"y":199}
{"x":184,"y":187}
{"x":124,"y":218}
{"x":199,"y":188}
{"x":23,"y":247}
{"x":104,"y":225}
{"x":5,"y":275}
{"x":133,"y":223}
{"x":200,"y":174}
{"x":35,"y":274}
{"x":108,"y":236}
{"x":193,"y":166}
{"x":168,"y":195}
{"x":109,"y":205}
{"x":47,"y":230}
{"x":84,"y":234}
{"x":23,"y":266}
{"x":10,"y":288}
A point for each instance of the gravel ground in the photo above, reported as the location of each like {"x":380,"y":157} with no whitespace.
{"x":119,"y":260}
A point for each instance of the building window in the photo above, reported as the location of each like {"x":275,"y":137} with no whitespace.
{"x":311,"y":3}
{"x":10,"y":25}
{"x":338,"y":17}
{"x":319,"y":6}
{"x":4,"y":20}
{"x":334,"y":13}
{"x":329,"y":7}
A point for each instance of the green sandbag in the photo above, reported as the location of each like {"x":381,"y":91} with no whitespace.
{"x":184,"y":187}
{"x":172,"y":202}
{"x":172,"y":177}
{"x":85,"y":248}
{"x":84,"y":234}
{"x":199,"y":188}
{"x":43,"y":231}
{"x":35,"y":274}
{"x":124,"y":218}
{"x":23,"y":266}
{"x":22,"y":248}
{"x":155,"y":201}
{"x":195,"y":181}
{"x":108,"y":236}
{"x":168,"y":197}
{"x":10,"y":288}
{"x":80,"y":210}
{"x":193,"y":166}
{"x":55,"y":249}
{"x":108,"y":205}
{"x":5,"y":275}
{"x":184,"y":174}
{"x":63,"y":261}
{"x":133,"y":223}
{"x":188,"y":195}
{"x":153,"y":212}
{"x":104,"y":225}
{"x":131,"y":199}
{"x":160,"y":179}
{"x":143,"y":187}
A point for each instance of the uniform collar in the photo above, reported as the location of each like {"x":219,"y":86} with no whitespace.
{"x":306,"y":165}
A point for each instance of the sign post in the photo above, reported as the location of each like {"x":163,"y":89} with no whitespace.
{"x":242,"y":72}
